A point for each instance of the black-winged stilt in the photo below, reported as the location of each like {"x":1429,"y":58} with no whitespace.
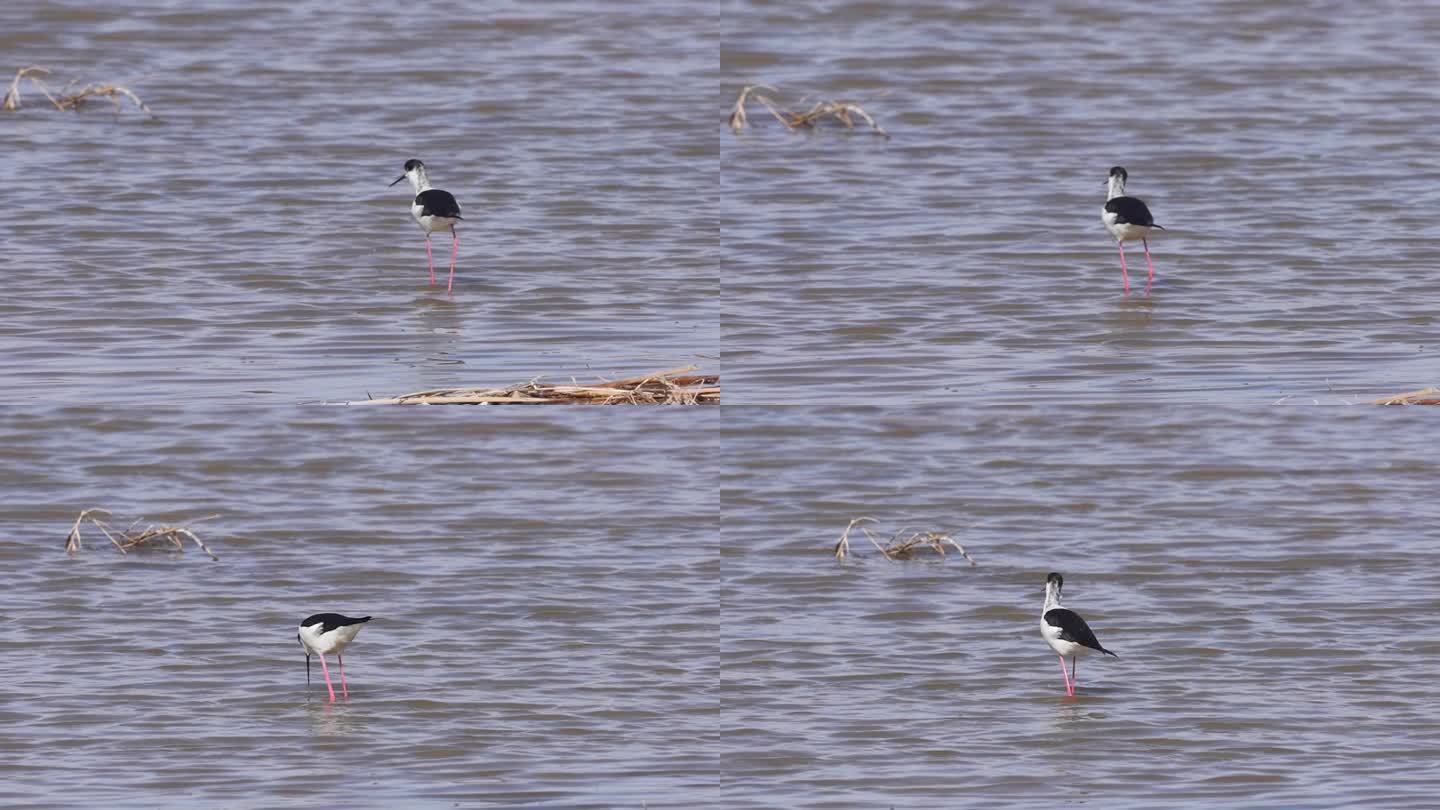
{"x":328,"y":633}
{"x":1128,"y":219}
{"x":1065,"y":632}
{"x":434,"y":210}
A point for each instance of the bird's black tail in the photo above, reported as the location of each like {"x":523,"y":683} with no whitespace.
{"x":1153,"y":225}
{"x":1107,"y":652}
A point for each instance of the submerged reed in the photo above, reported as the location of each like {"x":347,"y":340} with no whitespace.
{"x":845,"y":112}
{"x":1425,"y":396}
{"x":72,"y":97}
{"x":900,"y":546}
{"x":152,"y":537}
{"x":674,"y":386}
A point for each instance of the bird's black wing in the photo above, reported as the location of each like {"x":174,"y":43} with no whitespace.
{"x":1074,"y":629}
{"x":330,"y":621}
{"x":436,"y":203}
{"x":1129,"y":211}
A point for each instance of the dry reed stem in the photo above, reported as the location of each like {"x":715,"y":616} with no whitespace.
{"x":739,"y":120}
{"x":900,"y":546}
{"x":70,"y":98}
{"x":905,"y":548}
{"x":842,"y":548}
{"x":669,"y":387}
{"x":1425,"y":396}
{"x":72,"y":540}
{"x":843,"y":111}
{"x":128,"y":539}
{"x":110,"y":92}
{"x":12,"y":96}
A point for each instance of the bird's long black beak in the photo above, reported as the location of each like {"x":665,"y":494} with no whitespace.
{"x":307,"y":658}
{"x":398,"y":179}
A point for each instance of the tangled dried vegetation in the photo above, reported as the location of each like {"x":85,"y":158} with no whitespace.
{"x":72,"y":97}
{"x":164,"y":538}
{"x":844,"y":112}
{"x":900,"y":546}
{"x":1425,"y":396}
{"x":676,"y":386}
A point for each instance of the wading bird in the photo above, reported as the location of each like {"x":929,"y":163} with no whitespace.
{"x":328,"y":633}
{"x":1127,"y":219}
{"x":1065,"y":632}
{"x":434,"y":210}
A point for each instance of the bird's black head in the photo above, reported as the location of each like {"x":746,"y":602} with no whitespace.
{"x":1055,"y":579}
{"x":410,"y":165}
{"x":1114,"y":171}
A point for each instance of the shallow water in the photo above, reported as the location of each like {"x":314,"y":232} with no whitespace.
{"x":1266,"y":578}
{"x":548,"y":586}
{"x":1285,"y":146}
{"x":244,"y":245}
{"x":544,"y":595}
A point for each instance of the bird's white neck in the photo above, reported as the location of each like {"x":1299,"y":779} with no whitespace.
{"x":1052,"y":598}
{"x":1117,"y":187}
{"x":419,"y":180}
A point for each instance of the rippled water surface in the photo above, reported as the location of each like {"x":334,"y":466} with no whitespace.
{"x":544,"y":595}
{"x":1268,"y":581}
{"x":1288,"y":148}
{"x":632,"y":607}
{"x":244,"y":244}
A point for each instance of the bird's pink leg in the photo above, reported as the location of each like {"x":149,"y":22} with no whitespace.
{"x":430,"y":259}
{"x":1123,"y":273}
{"x":454,"y":253}
{"x":344,"y":690}
{"x":1069,"y":690}
{"x":326,"y":670}
{"x":1151,"y":277}
{"x":1074,"y":682}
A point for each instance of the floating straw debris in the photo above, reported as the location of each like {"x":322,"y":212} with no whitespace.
{"x":900,"y":546}
{"x":676,"y":386}
{"x":73,"y":97}
{"x":844,"y":112}
{"x":1425,"y":396}
{"x":167,"y":538}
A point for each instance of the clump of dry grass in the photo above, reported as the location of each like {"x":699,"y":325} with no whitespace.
{"x":1425,"y":396}
{"x":72,"y":97}
{"x":674,"y":386}
{"x":167,"y":538}
{"x":900,"y":546}
{"x":844,"y":112}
